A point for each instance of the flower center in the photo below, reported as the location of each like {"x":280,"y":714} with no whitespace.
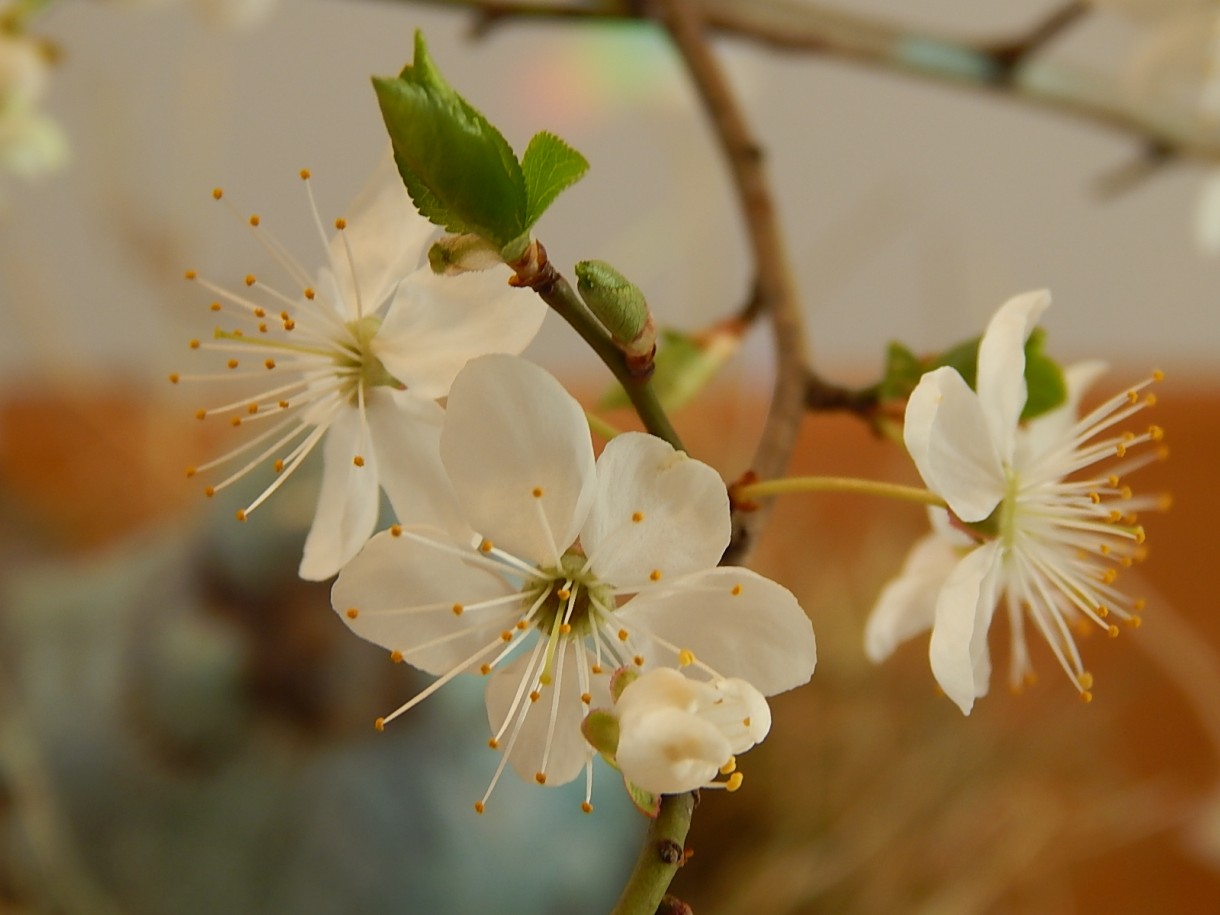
{"x":570,"y":595}
{"x":363,"y":367}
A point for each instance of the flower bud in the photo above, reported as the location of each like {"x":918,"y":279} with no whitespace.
{"x":622,"y":310}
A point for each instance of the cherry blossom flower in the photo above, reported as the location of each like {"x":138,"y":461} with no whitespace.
{"x":577,"y":567}
{"x":677,"y":734}
{"x":358,"y":357}
{"x":1032,"y":519}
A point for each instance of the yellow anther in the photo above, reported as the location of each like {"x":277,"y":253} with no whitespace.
{"x":1126,"y":493}
{"x":1086,"y":697}
{"x":1112,"y":631}
{"x":1102,"y":611}
{"x":1109,"y":576}
{"x":1104,"y":549}
{"x":304,"y":173}
{"x":1133,"y":396}
{"x":563,"y":593}
{"x":254,"y":220}
{"x":622,"y":635}
{"x":278,"y":465}
{"x":283,"y":405}
{"x":308,"y":293}
{"x":240,"y":514}
{"x":1156,"y":433}
{"x":540,"y":778}
{"x":1150,"y":400}
{"x":1095,"y":498}
{"x":486,"y":546}
{"x":1115,"y":516}
{"x":1158,"y":375}
{"x":457,"y":609}
{"x":233,"y":363}
{"x":1120,"y":450}
{"x":734,"y":782}
{"x":522,"y":625}
{"x":586,"y":698}
{"x":251,"y":279}
{"x":595,"y":668}
{"x":396,"y":656}
{"x":537,"y":492}
{"x":289,"y":324}
{"x":493,"y":744}
{"x":340,"y":223}
{"x":252,"y":408}
{"x":655,"y":575}
{"x":190,"y":471}
{"x":1135,"y":622}
{"x":173,"y":378}
{"x":535,"y":695}
{"x":745,"y":722}
{"x":209,"y":491}
{"x":479,"y":807}
{"x":637,"y":517}
{"x":217,"y":193}
{"x":395,"y":530}
{"x":201,"y":414}
{"x":379,"y":724}
{"x":190,"y":275}
{"x":586,"y":806}
{"x":1112,"y":479}
{"x":358,"y":460}
{"x":1139,"y":535}
{"x":638,"y":661}
{"x":1085,"y":680}
{"x":215,"y":306}
{"x":729,"y":767}
{"x":686,"y":657}
{"x":546,"y":679}
{"x":260,"y":313}
{"x":565,"y":629}
{"x":352,"y":613}
{"x":269,"y":364}
{"x":194,"y":344}
{"x":485,"y":669}
{"x":235,"y":421}
{"x":1139,"y":605}
{"x":262,"y":328}
{"x":735,"y":590}
{"x":506,"y":636}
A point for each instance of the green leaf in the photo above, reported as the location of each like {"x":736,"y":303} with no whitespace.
{"x":460,"y":172}
{"x":1043,"y":377}
{"x":685,"y":364}
{"x":902,"y":372}
{"x":550,"y":167}
{"x":645,"y":802}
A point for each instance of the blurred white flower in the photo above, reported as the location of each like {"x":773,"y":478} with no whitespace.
{"x":677,"y":734}
{"x":31,"y":143}
{"x":1025,"y":525}
{"x":358,"y":357}
{"x":609,"y":564}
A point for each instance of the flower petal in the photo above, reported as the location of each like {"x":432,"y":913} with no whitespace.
{"x":386,"y":237}
{"x":406,"y":434}
{"x":666,"y":750}
{"x":436,"y":324}
{"x":907,"y":605}
{"x":948,"y":437}
{"x":1041,"y":434}
{"x":569,"y":751}
{"x":656,"y":508}
{"x":400,"y":593}
{"x":1207,"y":214}
{"x":734,"y":620}
{"x":517,"y":450}
{"x":958,"y":649}
{"x":348,"y":503}
{"x":1001,"y":371}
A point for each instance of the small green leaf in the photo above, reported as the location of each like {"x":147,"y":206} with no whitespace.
{"x":1043,"y":378}
{"x":550,"y":166}
{"x":645,"y":802}
{"x":460,"y":172}
{"x":902,"y":372}
{"x":685,"y":364}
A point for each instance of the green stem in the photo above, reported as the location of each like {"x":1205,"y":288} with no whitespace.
{"x":660,"y":858}
{"x":786,"y":485}
{"x":536,"y":272}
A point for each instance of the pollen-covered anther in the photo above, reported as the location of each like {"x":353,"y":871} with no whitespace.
{"x":1102,"y":611}
{"x":201,"y":414}
{"x":269,"y":364}
{"x":654,"y":575}
{"x":289,"y":324}
{"x":235,"y":421}
{"x":729,"y":767}
{"x":546,"y":680}
{"x":232,"y":363}
{"x":638,"y":660}
{"x":278,"y":466}
{"x":309,"y":293}
{"x":215,"y":306}
{"x":565,"y":629}
{"x":1095,"y":498}
{"x":486,"y":546}
{"x":686,"y":657}
{"x":506,"y":636}
{"x":1135,"y":621}
{"x":240,"y":514}
{"x":209,"y":491}
{"x":586,"y":698}
{"x":252,"y":408}
{"x":352,"y":613}
{"x":596,"y":669}
{"x":563,"y":593}
{"x":191,"y":471}
{"x":173,"y":378}
{"x":190,"y":275}
{"x":379,"y":724}
{"x":251,"y":279}
{"x":535,"y":695}
{"x":537,"y":492}
{"x":734,"y":782}
{"x":255,"y":220}
{"x":586,"y":807}
{"x":485,"y":669}
{"x":457,"y":609}
{"x":395,"y":530}
{"x":479,"y":807}
{"x":522,"y":625}
{"x":1112,"y":631}
{"x":283,"y":405}
{"x":305,"y":174}
{"x":194,"y":344}
{"x":217,"y":193}
{"x":735,"y":590}
{"x":396,"y":656}
{"x":637,"y":517}
{"x":540,"y":778}
{"x":358,"y":460}
{"x":340,"y":223}
{"x":493,"y":744}
{"x":622,"y":635}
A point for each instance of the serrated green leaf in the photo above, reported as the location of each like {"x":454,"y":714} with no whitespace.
{"x":1043,"y":378}
{"x":685,"y":364}
{"x":550,"y":166}
{"x":460,"y":172}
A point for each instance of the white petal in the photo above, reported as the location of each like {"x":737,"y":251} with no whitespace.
{"x":406,"y":435}
{"x":436,"y":324}
{"x":1001,"y":370}
{"x":348,"y":503}
{"x":511,"y":431}
{"x":387,"y":239}
{"x":669,"y":751}
{"x":948,"y":437}
{"x":681,"y":504}
{"x":569,"y":751}
{"x":958,"y":649}
{"x":403,"y":593}
{"x":1049,"y":429}
{"x":907,"y":605}
{"x":759,"y":634}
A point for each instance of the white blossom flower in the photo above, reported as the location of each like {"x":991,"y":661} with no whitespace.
{"x":1033,"y":520}
{"x":358,"y":357}
{"x":677,"y":734}
{"x":577,"y":568}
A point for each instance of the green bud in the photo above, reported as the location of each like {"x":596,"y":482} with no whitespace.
{"x":615,"y":300}
{"x":600,"y":728}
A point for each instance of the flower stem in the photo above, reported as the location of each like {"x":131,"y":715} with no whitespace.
{"x":750,"y":491}
{"x":660,"y":858}
{"x":539,"y":274}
